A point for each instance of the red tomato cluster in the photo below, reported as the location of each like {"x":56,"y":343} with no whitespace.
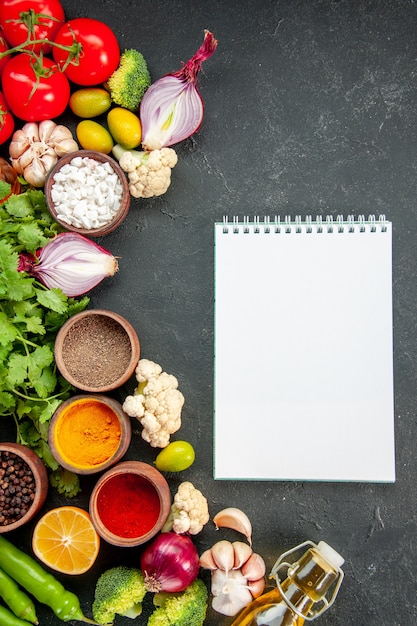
{"x":36,"y":78}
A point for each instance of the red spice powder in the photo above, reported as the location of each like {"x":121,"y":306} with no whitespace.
{"x":128,"y":505}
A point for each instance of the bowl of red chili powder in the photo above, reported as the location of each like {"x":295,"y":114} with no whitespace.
{"x":23,"y":485}
{"x":130,"y":503}
{"x":89,"y":433}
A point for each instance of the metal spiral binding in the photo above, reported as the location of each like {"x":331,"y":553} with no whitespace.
{"x":296,"y":224}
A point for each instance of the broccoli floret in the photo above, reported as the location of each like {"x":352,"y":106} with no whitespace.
{"x":130,"y":80}
{"x":187,"y":608}
{"x":119,"y":590}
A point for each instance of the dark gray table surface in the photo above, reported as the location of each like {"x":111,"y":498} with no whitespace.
{"x":310,"y":108}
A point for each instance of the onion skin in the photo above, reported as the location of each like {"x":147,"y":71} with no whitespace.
{"x":170,"y":563}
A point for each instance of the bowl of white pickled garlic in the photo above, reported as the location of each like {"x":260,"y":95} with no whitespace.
{"x":87,"y":192}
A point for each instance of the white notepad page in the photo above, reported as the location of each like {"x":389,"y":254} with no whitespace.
{"x":303,"y":385}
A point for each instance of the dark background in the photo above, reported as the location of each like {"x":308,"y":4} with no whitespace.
{"x":309,"y":109}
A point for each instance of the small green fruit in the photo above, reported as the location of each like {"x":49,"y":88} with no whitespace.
{"x":90,"y":102}
{"x":175,"y":457}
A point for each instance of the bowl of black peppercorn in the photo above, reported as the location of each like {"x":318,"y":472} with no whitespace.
{"x":23,"y":485}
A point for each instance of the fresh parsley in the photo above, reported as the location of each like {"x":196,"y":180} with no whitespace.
{"x":31,"y":387}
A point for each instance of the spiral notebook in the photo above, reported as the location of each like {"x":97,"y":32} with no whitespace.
{"x":303,"y":362}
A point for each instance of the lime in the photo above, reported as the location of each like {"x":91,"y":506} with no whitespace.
{"x":175,"y":457}
{"x":90,"y":102}
{"x":124,"y":127}
{"x":93,"y":136}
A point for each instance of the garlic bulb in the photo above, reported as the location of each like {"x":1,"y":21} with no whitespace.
{"x":230,"y":592}
{"x":35,"y":148}
{"x":237,"y":575}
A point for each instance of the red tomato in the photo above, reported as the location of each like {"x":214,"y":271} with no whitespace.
{"x":6,"y":120}
{"x":16,"y":32}
{"x":33,"y":100}
{"x":3,"y":47}
{"x":100,"y":54}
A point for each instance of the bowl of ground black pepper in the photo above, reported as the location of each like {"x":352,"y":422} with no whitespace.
{"x":97,"y":350}
{"x":23,"y":485}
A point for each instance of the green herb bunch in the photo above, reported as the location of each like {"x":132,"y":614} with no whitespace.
{"x":31,"y":387}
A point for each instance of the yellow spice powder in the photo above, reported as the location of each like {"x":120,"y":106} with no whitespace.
{"x":88,"y":433}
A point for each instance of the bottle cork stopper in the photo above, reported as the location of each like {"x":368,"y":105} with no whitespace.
{"x":328,"y":553}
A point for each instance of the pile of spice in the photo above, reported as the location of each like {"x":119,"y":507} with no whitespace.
{"x":17,"y":488}
{"x":87,"y":433}
{"x":128,"y":505}
{"x":96,"y":351}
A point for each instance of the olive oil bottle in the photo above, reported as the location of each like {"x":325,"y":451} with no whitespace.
{"x":302,"y":595}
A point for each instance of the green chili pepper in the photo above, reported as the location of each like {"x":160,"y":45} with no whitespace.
{"x":26,"y":571}
{"x":16,"y":599}
{"x":7,"y":618}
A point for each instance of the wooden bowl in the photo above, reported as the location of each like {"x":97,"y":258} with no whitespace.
{"x":85,"y":421}
{"x":40,"y":476}
{"x":108,"y":226}
{"x":97,"y":350}
{"x":140,"y":501}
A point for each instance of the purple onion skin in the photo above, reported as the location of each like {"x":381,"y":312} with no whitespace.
{"x":170,"y":563}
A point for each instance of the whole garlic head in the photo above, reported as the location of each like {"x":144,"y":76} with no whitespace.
{"x":35,"y":148}
{"x":237,"y":575}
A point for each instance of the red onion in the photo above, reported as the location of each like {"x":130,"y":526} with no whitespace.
{"x":170,"y":563}
{"x":70,"y":262}
{"x":172,"y":108}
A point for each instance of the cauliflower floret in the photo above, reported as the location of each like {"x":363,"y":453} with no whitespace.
{"x":189,"y":511}
{"x":133,"y":406}
{"x":156,"y":403}
{"x":149,"y":172}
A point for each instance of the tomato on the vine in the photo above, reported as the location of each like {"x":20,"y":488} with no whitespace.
{"x":35,"y":90}
{"x":6,"y":120}
{"x":3,"y":48}
{"x":16,"y":15}
{"x":100,"y":54}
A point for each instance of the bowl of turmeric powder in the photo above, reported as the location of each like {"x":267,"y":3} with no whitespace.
{"x":89,"y":433}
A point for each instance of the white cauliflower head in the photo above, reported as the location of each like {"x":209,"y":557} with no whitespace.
{"x":156,"y":403}
{"x":189,"y":511}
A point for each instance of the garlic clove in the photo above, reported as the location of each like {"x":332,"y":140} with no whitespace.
{"x":19,"y":144}
{"x":35,"y":172}
{"x":16,"y":165}
{"x":223,"y":555}
{"x":64,"y":146}
{"x":62,"y":141}
{"x":254,"y":568}
{"x":27,"y":157}
{"x":31,"y":130}
{"x":207,"y":561}
{"x":256,"y":587}
{"x":242,"y":552}
{"x":235,"y":519}
{"x":46,"y":129}
{"x":60,"y":132}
